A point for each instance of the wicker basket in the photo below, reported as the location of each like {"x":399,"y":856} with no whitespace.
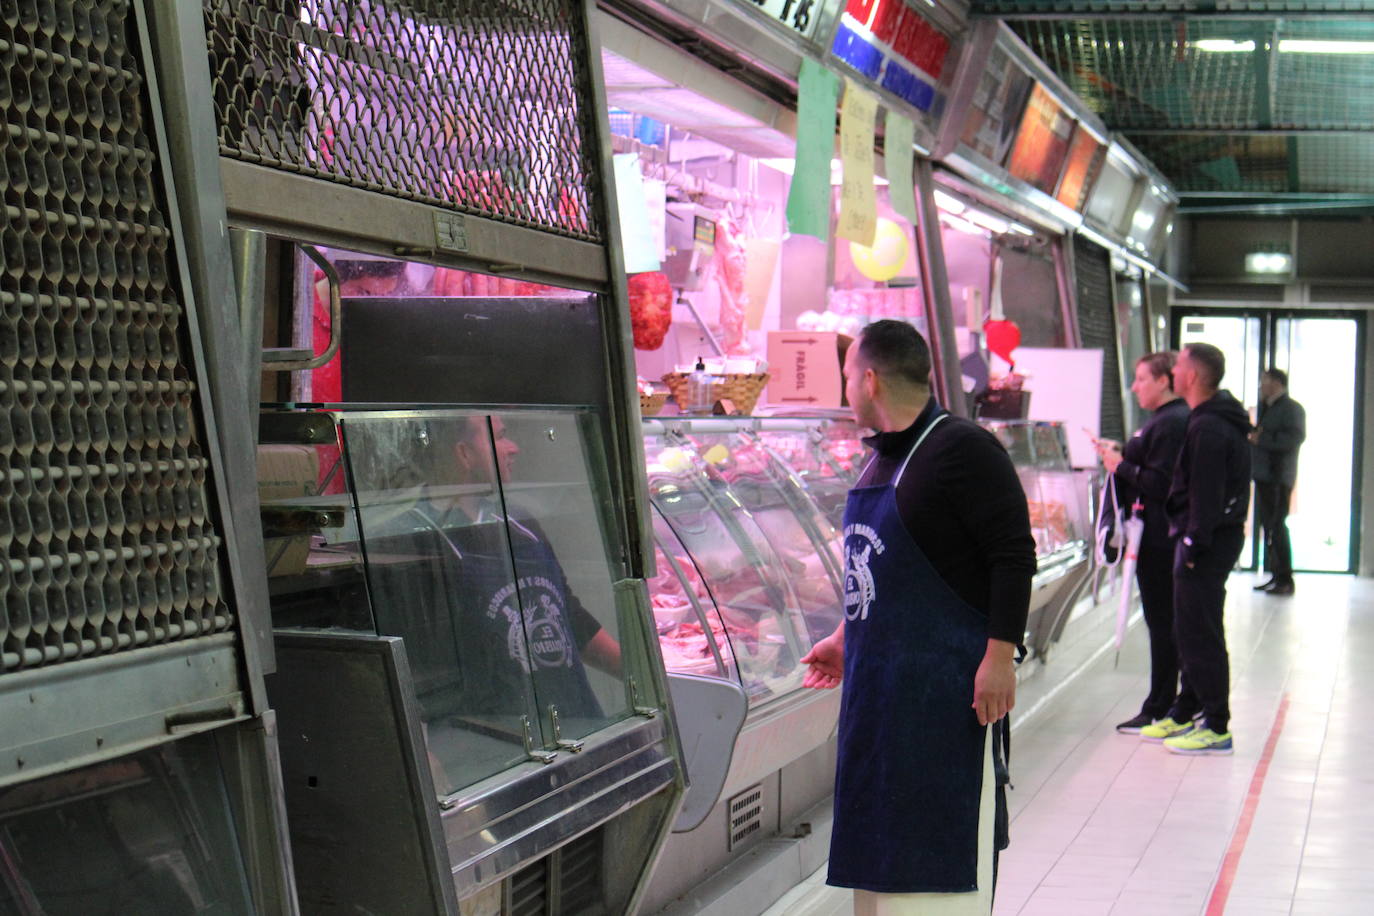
{"x":651,"y":404}
{"x":743,"y":388}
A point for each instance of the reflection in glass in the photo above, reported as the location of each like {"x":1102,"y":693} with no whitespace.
{"x":562,"y":564}
{"x":146,"y":835}
{"x":738,"y":566}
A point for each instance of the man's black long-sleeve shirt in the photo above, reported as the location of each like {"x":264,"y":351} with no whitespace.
{"x":964,"y":506}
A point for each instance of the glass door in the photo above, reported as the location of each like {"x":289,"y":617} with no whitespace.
{"x":1322,"y":359}
{"x":1321,"y":352}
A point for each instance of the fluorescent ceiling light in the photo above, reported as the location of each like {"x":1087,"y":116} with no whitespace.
{"x":1222,"y":45}
{"x":1022,"y":230}
{"x":1268,"y":262}
{"x":949,"y":204}
{"x":987,"y":221}
{"x":959,"y":224}
{"x":786,"y":166}
{"x":1312,"y":46}
{"x":1286,"y":46}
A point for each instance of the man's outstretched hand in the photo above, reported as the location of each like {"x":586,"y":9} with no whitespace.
{"x":826,"y":659}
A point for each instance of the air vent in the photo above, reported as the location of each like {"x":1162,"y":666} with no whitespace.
{"x":746,"y":815}
{"x":566,"y":882}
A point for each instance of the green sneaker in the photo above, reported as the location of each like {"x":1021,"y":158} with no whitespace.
{"x":1201,"y":741}
{"x":1165,"y":728}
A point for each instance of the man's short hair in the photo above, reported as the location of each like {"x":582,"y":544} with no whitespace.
{"x":1277,"y":375}
{"x":1209,"y":361}
{"x":1160,"y":364}
{"x":895,"y":350}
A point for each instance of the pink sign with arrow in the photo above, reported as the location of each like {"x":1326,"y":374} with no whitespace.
{"x":804,"y":369}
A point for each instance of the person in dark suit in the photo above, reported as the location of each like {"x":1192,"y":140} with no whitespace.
{"x":1281,"y":430}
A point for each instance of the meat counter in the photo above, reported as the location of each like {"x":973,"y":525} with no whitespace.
{"x":1060,"y":522}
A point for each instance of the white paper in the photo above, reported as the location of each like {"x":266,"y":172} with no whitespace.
{"x":636,"y":232}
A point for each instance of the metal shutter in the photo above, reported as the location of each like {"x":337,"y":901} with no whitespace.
{"x":104,"y":511}
{"x":1097,"y":329}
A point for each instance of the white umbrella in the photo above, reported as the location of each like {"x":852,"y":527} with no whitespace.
{"x":1135,"y":529}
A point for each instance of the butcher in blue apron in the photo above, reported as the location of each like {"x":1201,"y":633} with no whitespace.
{"x":938,"y":565}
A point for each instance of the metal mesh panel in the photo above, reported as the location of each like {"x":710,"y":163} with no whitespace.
{"x":481,"y":107}
{"x":1151,"y":73}
{"x":103,"y":505}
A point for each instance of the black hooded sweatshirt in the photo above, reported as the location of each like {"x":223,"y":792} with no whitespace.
{"x":1211,"y":486}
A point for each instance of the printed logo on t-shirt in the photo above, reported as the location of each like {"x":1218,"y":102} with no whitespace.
{"x":861,"y":543}
{"x":542,"y":624}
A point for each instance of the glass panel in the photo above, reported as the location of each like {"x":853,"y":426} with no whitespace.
{"x":737,"y":564}
{"x":314,"y":561}
{"x":1062,"y":514}
{"x":438,"y":569}
{"x":1017,"y":439}
{"x":808,"y":545}
{"x":826,"y":459}
{"x":146,"y":835}
{"x":1319,"y":354}
{"x":564,"y":578}
{"x":684,"y":612}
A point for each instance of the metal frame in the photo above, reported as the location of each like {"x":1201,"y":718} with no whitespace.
{"x":173,"y":40}
{"x":930,"y":250}
{"x":1267,"y":316}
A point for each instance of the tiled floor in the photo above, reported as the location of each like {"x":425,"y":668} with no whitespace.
{"x":1106,"y":824}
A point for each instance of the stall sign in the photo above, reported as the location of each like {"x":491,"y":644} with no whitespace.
{"x":801,"y":16}
{"x":894,"y":45}
{"x":804,"y":369}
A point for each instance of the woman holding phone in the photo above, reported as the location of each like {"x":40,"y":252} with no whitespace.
{"x":1143,"y":469}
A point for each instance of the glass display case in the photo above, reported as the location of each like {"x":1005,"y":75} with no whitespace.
{"x":740,"y":609}
{"x":479,"y":539}
{"x":1058,"y":511}
{"x":149,"y":833}
{"x":746,"y":524}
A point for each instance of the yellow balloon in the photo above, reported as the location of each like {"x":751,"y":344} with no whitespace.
{"x":888,"y":254}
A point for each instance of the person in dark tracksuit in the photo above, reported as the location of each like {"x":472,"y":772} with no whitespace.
{"x":1143,"y":470}
{"x":1281,"y":429}
{"x":1207,"y":505}
{"x":938,"y":565}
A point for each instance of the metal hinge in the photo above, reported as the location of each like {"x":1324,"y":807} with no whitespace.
{"x":558,"y":740}
{"x":648,"y":712}
{"x":531,"y":751}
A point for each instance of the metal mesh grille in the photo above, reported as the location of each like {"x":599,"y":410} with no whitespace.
{"x":103,"y":506}
{"x":1097,"y":329}
{"x":481,"y":107}
{"x":1200,"y":7}
{"x":1151,"y":73}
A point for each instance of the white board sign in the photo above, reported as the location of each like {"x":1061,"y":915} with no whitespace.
{"x":1066,"y":385}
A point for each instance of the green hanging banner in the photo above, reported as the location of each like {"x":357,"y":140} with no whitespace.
{"x":808,"y":199}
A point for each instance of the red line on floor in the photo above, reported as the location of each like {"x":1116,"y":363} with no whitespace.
{"x":1217,"y":904}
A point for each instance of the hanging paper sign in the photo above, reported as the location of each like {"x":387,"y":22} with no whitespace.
{"x":808,"y":198}
{"x":894,"y":45}
{"x":858,"y":198}
{"x":898,"y":154}
{"x":636,"y":232}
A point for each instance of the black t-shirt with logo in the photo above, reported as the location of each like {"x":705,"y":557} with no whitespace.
{"x":476,"y":636}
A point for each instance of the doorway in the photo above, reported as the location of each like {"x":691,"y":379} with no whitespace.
{"x":1322,"y":354}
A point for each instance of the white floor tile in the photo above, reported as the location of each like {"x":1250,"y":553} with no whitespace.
{"x":1108,"y":824}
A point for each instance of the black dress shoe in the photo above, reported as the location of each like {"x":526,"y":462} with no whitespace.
{"x":1282,"y":588}
{"x":1267,"y":586}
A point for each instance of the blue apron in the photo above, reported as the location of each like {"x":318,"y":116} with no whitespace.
{"x":909,"y":774}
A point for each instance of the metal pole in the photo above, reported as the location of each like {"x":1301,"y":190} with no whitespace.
{"x":930,"y":248}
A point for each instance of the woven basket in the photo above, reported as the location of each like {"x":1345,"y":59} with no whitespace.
{"x":743,"y":388}
{"x":651,"y":404}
